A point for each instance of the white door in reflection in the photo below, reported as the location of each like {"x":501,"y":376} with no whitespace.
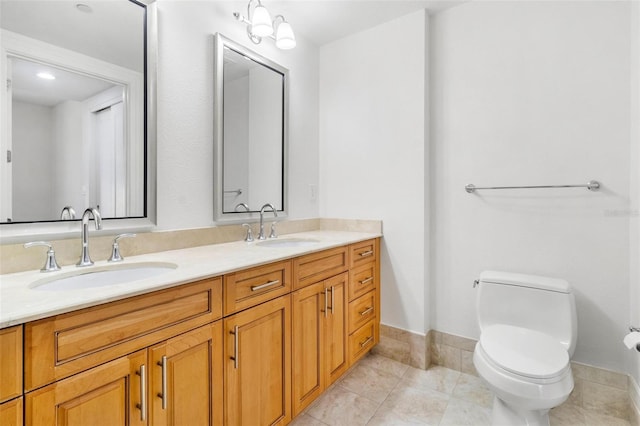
{"x":109,"y":181}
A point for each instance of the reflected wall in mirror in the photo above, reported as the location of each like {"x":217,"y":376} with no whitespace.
{"x":251,"y":112}
{"x":74,"y":114}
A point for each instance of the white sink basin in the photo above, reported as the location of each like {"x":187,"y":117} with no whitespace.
{"x":102,"y":276}
{"x":288,"y":242}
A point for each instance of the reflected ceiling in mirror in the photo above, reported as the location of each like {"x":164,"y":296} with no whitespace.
{"x":75,"y":110}
{"x":251,"y":131}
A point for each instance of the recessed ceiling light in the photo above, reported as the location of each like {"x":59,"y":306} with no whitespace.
{"x":46,"y":76}
{"x":84,"y":8}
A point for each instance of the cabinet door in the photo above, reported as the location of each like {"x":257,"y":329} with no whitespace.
{"x":11,"y":412}
{"x":309,"y":308}
{"x":335,"y":329}
{"x":186,"y":378}
{"x":112,"y":394}
{"x":258,"y":365}
{"x":10,"y":363}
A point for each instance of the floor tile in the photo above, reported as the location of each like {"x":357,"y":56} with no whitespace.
{"x":409,"y":405}
{"x":369,"y":382}
{"x":338,"y":406}
{"x":383,"y":363}
{"x":463,"y":413}
{"x":472,"y":389}
{"x":437,"y":378}
{"x":306,"y":420}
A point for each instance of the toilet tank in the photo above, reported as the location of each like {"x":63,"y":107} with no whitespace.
{"x":539,"y":303}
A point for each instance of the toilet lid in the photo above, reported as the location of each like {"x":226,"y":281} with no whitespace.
{"x":523,"y":351}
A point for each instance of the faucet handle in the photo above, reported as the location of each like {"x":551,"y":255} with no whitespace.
{"x":115,"y":250}
{"x":249,"y":236}
{"x":50,"y":264}
{"x":273,"y":234}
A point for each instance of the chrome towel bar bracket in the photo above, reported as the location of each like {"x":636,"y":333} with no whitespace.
{"x":592,"y":185}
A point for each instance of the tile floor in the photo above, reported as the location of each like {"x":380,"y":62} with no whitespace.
{"x":381,"y":391}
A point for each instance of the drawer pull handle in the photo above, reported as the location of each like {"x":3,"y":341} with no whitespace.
{"x":366,"y":311}
{"x":326,"y":304}
{"x":366,"y":342}
{"x":332,"y":299}
{"x":366,"y":253}
{"x":163,"y":395}
{"x":265,"y":285}
{"x":143,"y":392}
{"x":366,"y":280}
{"x":235,"y":347}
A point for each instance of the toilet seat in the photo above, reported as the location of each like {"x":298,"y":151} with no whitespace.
{"x":524,"y":352}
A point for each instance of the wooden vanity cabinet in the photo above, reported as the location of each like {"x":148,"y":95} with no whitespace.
{"x":364,"y":298}
{"x":319,"y":338}
{"x":254,"y":347}
{"x":11,"y":401}
{"x":257,"y":358}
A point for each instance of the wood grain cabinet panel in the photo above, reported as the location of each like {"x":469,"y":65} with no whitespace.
{"x":319,"y":338}
{"x":10,"y":363}
{"x":316,"y":267}
{"x":361,"y":341}
{"x":11,"y":412}
{"x":362,"y":279}
{"x":185,"y":379}
{"x":62,"y":345}
{"x":249,"y":287}
{"x":257,"y":382}
{"x":362,"y":310}
{"x":363,"y":252}
{"x":111,"y":394}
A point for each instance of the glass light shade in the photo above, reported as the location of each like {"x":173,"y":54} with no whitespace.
{"x":284,"y":36}
{"x":261,"y":22}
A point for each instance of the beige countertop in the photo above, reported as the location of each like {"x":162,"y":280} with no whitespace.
{"x":20,"y":302}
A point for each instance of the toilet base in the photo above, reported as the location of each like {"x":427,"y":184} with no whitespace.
{"x":504,"y":415}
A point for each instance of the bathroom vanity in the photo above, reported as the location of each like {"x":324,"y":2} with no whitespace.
{"x":254,"y":339}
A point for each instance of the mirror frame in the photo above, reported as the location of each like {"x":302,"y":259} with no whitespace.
{"x":23,"y":232}
{"x":220,"y":42}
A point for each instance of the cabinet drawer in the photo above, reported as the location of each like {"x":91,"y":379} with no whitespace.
{"x":250,"y":287}
{"x":362,"y":340}
{"x":10,"y":363}
{"x":363,"y":252}
{"x":65,"y":344}
{"x":361,"y":310}
{"x":362,"y":280}
{"x":316,"y":267}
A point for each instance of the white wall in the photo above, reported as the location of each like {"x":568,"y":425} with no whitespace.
{"x":372,"y":151}
{"x":533,"y":93}
{"x":236,"y":153}
{"x":634,"y":158}
{"x":185,"y":111}
{"x":32,"y":168}
{"x":71,"y":157}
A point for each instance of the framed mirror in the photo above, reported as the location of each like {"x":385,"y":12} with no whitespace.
{"x":78,"y":118}
{"x":250,"y":132}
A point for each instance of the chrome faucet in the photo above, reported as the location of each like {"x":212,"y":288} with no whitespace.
{"x":85,"y":259}
{"x":275,"y":214}
{"x":68,"y":213}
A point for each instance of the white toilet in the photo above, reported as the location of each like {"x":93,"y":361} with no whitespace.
{"x":528,"y":329}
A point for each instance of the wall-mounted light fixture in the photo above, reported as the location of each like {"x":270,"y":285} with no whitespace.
{"x":259,"y":25}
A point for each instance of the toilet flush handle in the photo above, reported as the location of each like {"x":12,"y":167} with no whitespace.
{"x":476,"y":283}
